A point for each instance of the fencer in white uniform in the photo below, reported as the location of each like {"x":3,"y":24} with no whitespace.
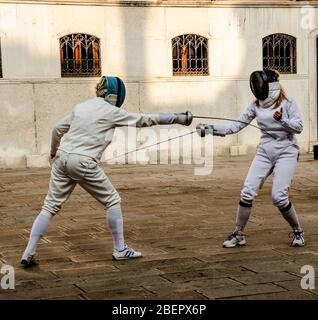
{"x":279,"y":119}
{"x":88,"y":130}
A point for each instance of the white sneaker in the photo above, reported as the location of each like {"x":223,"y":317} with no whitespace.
{"x":126,"y":253}
{"x":234,"y":240}
{"x":298,"y":239}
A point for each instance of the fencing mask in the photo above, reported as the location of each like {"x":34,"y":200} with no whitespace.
{"x":112,"y":89}
{"x":259,"y":81}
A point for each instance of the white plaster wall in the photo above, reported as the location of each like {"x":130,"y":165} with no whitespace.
{"x":16,"y":124}
{"x":136,"y":45}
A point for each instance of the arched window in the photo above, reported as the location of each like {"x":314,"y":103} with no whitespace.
{"x":190,"y":55}
{"x":80,"y":55}
{"x":279,"y":53}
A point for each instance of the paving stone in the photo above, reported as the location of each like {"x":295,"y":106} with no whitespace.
{"x":79,"y":296}
{"x":239,"y":291}
{"x":120,"y":294}
{"x":264,"y":277}
{"x":272,"y":266}
{"x":186,"y":295}
{"x":296,"y":285}
{"x":190,"y":285}
{"x":82,"y":271}
{"x":286,"y":295}
{"x":48,"y":293}
{"x":126,"y":283}
{"x":206,"y":273}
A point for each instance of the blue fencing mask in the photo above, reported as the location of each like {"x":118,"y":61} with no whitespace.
{"x":112,"y":89}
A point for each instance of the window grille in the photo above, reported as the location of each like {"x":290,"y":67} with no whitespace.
{"x":279,"y":53}
{"x":80,"y":55}
{"x":190,"y":55}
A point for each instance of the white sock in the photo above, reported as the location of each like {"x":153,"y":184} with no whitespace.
{"x":39,"y":228}
{"x":116,"y":225}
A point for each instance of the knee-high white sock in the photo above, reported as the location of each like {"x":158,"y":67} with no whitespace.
{"x":242,"y":216}
{"x":39,"y":228}
{"x":290,"y":215}
{"x":116,"y":225}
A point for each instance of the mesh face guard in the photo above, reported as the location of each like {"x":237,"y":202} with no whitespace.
{"x":259,"y":81}
{"x":259,"y":85}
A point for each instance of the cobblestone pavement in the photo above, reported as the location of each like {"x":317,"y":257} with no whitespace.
{"x":178,"y":221}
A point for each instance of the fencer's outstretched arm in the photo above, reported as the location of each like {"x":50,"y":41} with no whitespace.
{"x":59,"y":130}
{"x":235,"y":126}
{"x":123,"y":118}
{"x":291,"y":118}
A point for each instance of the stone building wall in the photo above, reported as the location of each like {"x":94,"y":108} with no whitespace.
{"x":136,"y":45}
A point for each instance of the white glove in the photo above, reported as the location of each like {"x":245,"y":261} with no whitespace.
{"x":184,"y":118}
{"x":219,"y":130}
{"x":204,"y":129}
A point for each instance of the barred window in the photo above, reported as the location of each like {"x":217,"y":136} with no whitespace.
{"x":279,"y":53}
{"x":190,"y":55}
{"x":80,"y":55}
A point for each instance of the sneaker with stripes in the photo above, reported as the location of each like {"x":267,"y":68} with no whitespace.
{"x":236,"y":239}
{"x":126,"y":253}
{"x":298,"y":239}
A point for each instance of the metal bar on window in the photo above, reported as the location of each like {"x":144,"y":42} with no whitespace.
{"x":190,"y":55}
{"x":80,"y":55}
{"x":283,"y":49}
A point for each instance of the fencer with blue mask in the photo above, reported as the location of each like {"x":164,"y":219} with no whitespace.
{"x":279,"y":119}
{"x":88,"y":130}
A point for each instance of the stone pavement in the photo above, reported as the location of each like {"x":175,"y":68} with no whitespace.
{"x":178,"y":221}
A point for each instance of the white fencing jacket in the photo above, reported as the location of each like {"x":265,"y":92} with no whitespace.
{"x":284,"y":130}
{"x":91,"y":125}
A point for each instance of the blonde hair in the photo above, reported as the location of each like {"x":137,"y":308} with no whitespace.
{"x":281,"y":98}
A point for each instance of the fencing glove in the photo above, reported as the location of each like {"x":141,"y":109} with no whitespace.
{"x":184,"y":118}
{"x":205,"y":129}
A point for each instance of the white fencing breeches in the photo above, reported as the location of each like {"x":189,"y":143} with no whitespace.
{"x":71,"y":169}
{"x":282,"y":163}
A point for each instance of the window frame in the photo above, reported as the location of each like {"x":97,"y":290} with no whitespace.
{"x":77,"y":42}
{"x":199,"y":71}
{"x":270,"y":40}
